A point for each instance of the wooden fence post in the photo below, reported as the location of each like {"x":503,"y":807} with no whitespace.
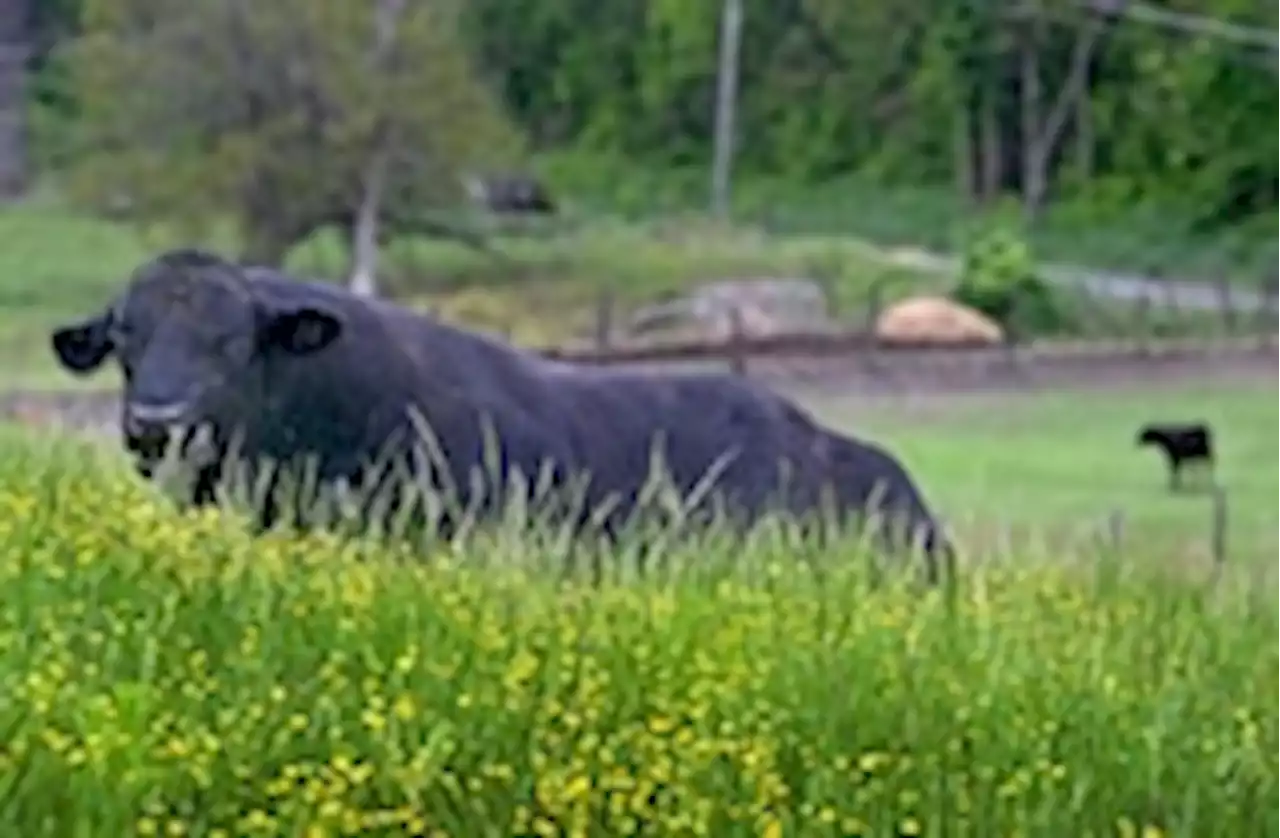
{"x":1142,"y":325}
{"x":874,"y":308}
{"x":1174,"y":323}
{"x":1227,"y":303}
{"x":604,"y":319}
{"x":1013,"y":334}
{"x":1115,"y":530}
{"x":737,"y":343}
{"x":1266,"y":314}
{"x":825,"y":271}
{"x":1218,"y":531}
{"x":1164,"y":312}
{"x":1174,"y":311}
{"x":1010,"y":353}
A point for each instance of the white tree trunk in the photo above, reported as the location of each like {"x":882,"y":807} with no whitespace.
{"x":364,"y":244}
{"x":725,"y":107}
{"x":363,"y":279}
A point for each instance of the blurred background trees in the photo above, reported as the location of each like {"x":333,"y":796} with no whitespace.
{"x":285,"y":117}
{"x":276,"y":112}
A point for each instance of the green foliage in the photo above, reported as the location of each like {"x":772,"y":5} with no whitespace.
{"x":827,"y":87}
{"x":49,"y":91}
{"x":271,"y":113}
{"x":881,"y":88}
{"x":169,"y":674}
{"x":998,"y":278}
{"x":1181,"y":129}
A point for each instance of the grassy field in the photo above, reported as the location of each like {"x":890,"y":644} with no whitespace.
{"x":168,"y":674}
{"x":1057,"y":465}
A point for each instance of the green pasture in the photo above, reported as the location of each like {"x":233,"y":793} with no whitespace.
{"x":1053,"y":470}
{"x":1058,"y":465}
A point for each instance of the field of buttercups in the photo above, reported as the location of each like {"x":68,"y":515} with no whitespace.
{"x":167,"y":673}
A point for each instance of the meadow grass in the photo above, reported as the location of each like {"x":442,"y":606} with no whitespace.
{"x":1050,"y":468}
{"x":167,"y":673}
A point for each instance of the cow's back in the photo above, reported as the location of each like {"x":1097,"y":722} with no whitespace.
{"x":354,"y":400}
{"x":697,"y":428}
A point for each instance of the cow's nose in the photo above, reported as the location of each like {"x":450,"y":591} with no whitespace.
{"x":155,"y":414}
{"x":152,"y":423}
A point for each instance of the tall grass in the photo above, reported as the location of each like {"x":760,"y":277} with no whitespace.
{"x":168,"y":673}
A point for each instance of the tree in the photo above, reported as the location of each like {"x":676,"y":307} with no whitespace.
{"x":15,"y":44}
{"x":287,"y":116}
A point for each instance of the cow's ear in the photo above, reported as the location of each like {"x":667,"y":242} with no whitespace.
{"x":82,"y":347}
{"x":299,"y":330}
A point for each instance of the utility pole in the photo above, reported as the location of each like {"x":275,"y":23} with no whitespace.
{"x":726,"y":105}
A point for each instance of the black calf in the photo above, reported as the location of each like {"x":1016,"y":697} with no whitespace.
{"x":1181,"y":443}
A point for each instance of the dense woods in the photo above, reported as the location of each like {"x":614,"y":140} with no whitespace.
{"x":909,"y":90}
{"x":1113,"y":104}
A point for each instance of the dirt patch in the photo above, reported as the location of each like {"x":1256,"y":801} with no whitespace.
{"x":82,"y":411}
{"x":1011,"y":374}
{"x":938,"y":395}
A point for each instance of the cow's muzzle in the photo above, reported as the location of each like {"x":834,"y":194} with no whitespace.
{"x":153,"y":432}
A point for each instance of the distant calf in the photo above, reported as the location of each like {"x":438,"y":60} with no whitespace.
{"x":1181,"y":444}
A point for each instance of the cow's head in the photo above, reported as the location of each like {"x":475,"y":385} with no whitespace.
{"x":1151,"y":436}
{"x":191,"y":335}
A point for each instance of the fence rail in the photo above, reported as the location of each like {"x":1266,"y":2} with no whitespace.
{"x":738,"y":351}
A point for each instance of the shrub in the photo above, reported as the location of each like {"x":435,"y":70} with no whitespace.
{"x":998,"y":278}
{"x":169,"y":674}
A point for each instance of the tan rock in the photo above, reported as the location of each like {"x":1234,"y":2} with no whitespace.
{"x":936,"y":320}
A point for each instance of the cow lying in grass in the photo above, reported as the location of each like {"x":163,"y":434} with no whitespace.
{"x":252,"y":366}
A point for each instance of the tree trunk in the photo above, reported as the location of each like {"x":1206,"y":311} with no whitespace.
{"x":989,"y":128}
{"x":962,"y":151}
{"x":1084,"y":139}
{"x":1033,"y":169}
{"x":15,"y":41}
{"x":725,"y":107}
{"x":364,"y":235}
{"x":1076,"y":86}
{"x":364,"y":240}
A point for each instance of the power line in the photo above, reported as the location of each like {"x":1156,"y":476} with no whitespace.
{"x":1182,"y":22}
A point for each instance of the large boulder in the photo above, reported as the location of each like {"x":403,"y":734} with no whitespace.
{"x":936,"y":320}
{"x":762,"y":307}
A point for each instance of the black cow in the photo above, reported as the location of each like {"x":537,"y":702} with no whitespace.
{"x":1181,"y":443}
{"x":269,"y":368}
